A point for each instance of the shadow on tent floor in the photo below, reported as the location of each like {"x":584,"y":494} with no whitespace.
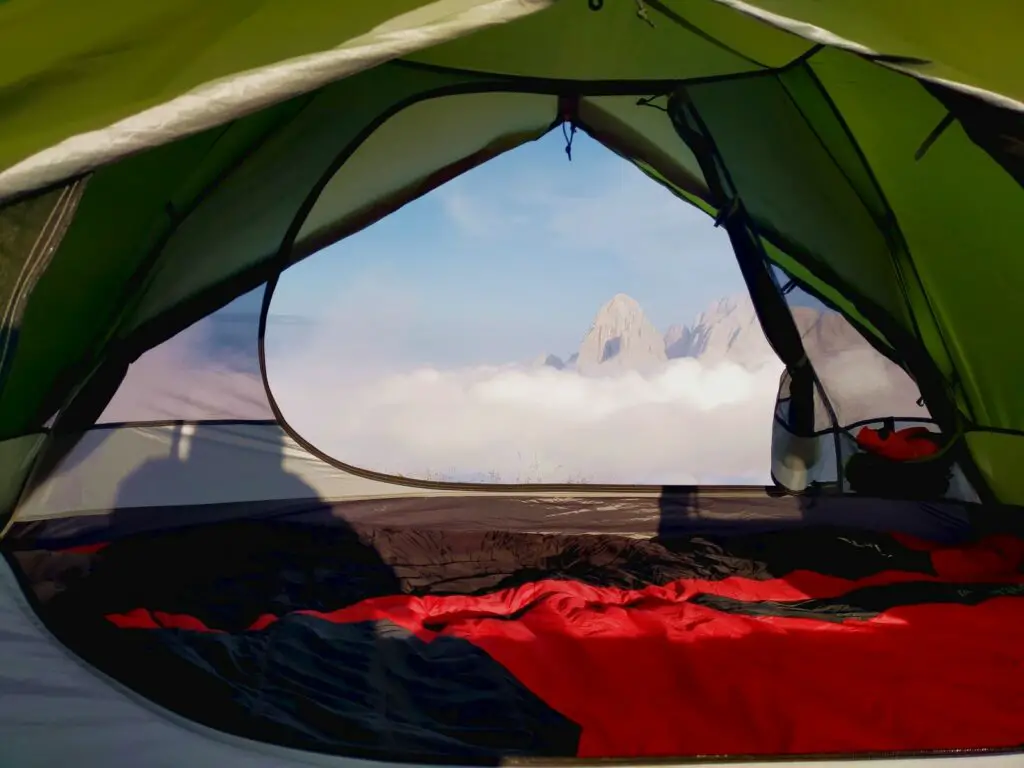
{"x":445,"y":629}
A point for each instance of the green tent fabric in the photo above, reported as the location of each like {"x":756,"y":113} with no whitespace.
{"x":158,"y":160}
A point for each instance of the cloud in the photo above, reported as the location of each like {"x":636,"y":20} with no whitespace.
{"x":475,"y":217}
{"x":689,"y":424}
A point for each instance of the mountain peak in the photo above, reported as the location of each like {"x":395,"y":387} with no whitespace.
{"x":623,"y":299}
{"x":620,"y":337}
{"x":726,"y":330}
{"x":620,"y":308}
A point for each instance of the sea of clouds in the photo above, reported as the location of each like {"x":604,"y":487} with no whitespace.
{"x":691,"y":422}
{"x":688,"y":423}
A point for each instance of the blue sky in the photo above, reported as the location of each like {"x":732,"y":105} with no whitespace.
{"x":513,"y":259}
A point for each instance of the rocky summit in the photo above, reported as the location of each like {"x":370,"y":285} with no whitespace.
{"x":620,"y":338}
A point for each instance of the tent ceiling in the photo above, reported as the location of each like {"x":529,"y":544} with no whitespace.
{"x":695,"y":39}
{"x":121,"y":77}
{"x":80,"y":87}
{"x":941,"y":40}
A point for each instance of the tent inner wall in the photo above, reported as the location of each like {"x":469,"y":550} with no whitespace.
{"x":125,"y":212}
{"x":171,"y":234}
{"x":191,"y":423}
{"x":832,"y":218}
{"x":253,"y":214}
{"x":208,"y":243}
{"x":959,"y":211}
{"x":216,"y":210}
{"x":803,"y":188}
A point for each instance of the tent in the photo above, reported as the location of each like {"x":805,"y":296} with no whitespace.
{"x":187,"y":580}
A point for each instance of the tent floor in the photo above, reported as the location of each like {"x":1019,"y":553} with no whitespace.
{"x":430,"y":643}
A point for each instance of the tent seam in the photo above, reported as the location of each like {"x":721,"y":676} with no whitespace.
{"x":894,"y":231}
{"x":900,"y":245}
{"x":681,"y":21}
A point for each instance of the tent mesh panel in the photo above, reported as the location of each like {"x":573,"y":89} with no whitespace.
{"x":209,"y":371}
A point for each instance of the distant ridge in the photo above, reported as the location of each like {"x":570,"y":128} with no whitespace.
{"x":621,"y":337}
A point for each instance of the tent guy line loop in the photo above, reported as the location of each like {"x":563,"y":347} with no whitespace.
{"x":641,"y":13}
{"x":641,"y":10}
{"x":569,"y":133}
{"x":648,"y":101}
